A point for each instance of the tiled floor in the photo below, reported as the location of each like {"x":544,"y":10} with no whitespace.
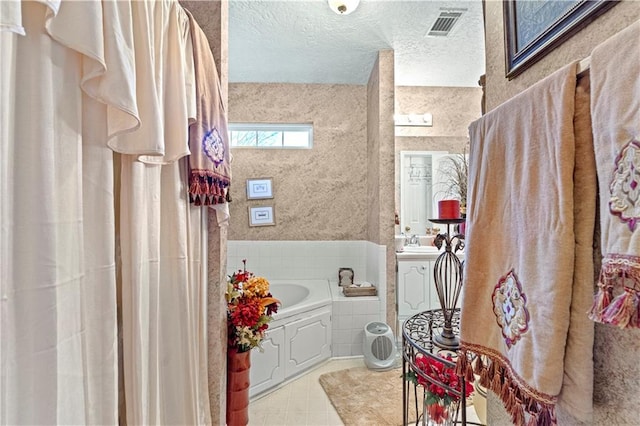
{"x":303,"y":401}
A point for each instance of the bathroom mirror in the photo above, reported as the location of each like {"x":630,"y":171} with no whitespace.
{"x":421,"y":187}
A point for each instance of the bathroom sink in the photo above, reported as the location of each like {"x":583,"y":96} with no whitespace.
{"x":420,"y":249}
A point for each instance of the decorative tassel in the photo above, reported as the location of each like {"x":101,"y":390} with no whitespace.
{"x":518,"y":417}
{"x":461,"y":364}
{"x":228,"y":196}
{"x":504,"y":393}
{"x":512,"y":408}
{"x":479,"y":365}
{"x":545,"y":417}
{"x":496,"y":383}
{"x":492,"y":369}
{"x":207,"y":189}
{"x":204,"y":187}
{"x":469,"y":376}
{"x":194,"y":188}
{"x":484,"y":379}
{"x":601,"y":300}
{"x":533,"y":420}
{"x":622,"y":309}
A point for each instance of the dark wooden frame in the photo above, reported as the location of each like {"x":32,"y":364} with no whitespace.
{"x":563,"y":27}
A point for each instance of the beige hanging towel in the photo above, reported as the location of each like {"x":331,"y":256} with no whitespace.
{"x":615,"y":107}
{"x":519,"y":281}
{"x":210,"y":169}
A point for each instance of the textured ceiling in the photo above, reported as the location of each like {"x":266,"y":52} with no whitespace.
{"x":303,"y":41}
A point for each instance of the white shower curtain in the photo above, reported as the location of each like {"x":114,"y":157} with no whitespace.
{"x":162,"y":293}
{"x":66,"y":87}
{"x":58,"y":356}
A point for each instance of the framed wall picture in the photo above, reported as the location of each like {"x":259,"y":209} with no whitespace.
{"x":534,"y":28}
{"x":261,"y":216}
{"x":259,"y":189}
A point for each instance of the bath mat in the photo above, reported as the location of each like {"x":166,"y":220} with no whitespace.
{"x":366,"y":397}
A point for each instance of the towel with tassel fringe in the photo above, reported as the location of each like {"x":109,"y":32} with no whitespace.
{"x":523,"y":303}
{"x":615,"y":107}
{"x":209,"y":162}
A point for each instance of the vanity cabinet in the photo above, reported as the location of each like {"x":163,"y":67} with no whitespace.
{"x":416,"y":291}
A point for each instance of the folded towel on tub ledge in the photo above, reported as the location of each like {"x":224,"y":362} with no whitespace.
{"x":524,"y":303}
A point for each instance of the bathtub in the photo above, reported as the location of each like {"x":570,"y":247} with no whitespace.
{"x":299,"y":336}
{"x":297,"y":296}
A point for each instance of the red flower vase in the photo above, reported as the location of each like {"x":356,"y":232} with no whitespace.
{"x":440,"y":414}
{"x":238,"y":368}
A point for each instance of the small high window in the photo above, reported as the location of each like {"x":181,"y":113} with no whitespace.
{"x":259,"y":135}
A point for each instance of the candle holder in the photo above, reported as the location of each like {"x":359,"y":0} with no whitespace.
{"x":447,"y":275}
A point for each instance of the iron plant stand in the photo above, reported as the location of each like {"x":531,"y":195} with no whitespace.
{"x":447,"y":275}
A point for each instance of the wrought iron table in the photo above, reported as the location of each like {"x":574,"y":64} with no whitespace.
{"x":418,"y":338}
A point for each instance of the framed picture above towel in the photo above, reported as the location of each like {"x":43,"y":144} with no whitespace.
{"x":534,"y":28}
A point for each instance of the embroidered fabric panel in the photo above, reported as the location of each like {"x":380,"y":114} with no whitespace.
{"x":625,"y":185}
{"x":213,"y":146}
{"x":509,"y":307}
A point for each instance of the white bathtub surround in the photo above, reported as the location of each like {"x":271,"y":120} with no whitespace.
{"x":298,"y":338}
{"x":350,"y":315}
{"x":312,"y":260}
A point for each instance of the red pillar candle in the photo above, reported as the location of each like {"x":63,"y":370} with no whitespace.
{"x":449,"y":209}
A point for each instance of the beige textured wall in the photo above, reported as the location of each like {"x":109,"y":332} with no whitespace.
{"x":373,"y":158}
{"x":213,"y":18}
{"x":617,"y":370}
{"x":319,"y":193}
{"x":380,"y":163}
{"x":453,"y":109}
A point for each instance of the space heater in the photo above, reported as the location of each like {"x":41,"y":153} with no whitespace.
{"x":379,"y":347}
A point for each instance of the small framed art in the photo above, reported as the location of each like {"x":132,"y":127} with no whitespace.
{"x":261,"y":216}
{"x":259,"y":189}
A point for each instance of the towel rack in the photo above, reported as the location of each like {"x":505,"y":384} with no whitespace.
{"x":583,"y":66}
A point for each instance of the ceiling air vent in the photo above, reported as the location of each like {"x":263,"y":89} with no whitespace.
{"x":443,"y":25}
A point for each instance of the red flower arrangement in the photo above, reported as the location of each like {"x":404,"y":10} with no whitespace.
{"x":250,"y":307}
{"x":437,"y":397}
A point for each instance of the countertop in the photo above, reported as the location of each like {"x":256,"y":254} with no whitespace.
{"x":429,"y":253}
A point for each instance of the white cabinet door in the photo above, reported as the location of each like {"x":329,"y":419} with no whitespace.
{"x":309,"y":342}
{"x":268,"y":366}
{"x":414,"y":290}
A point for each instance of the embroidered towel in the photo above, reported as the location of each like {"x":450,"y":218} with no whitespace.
{"x":615,"y":107}
{"x":576,"y":395}
{"x":210,"y":169}
{"x":520,"y":248}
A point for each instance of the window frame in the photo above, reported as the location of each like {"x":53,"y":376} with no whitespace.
{"x":271,"y":127}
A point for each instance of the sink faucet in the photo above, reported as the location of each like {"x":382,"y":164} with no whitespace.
{"x":414,"y":240}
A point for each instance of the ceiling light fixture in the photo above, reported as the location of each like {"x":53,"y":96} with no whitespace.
{"x":343,"y":7}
